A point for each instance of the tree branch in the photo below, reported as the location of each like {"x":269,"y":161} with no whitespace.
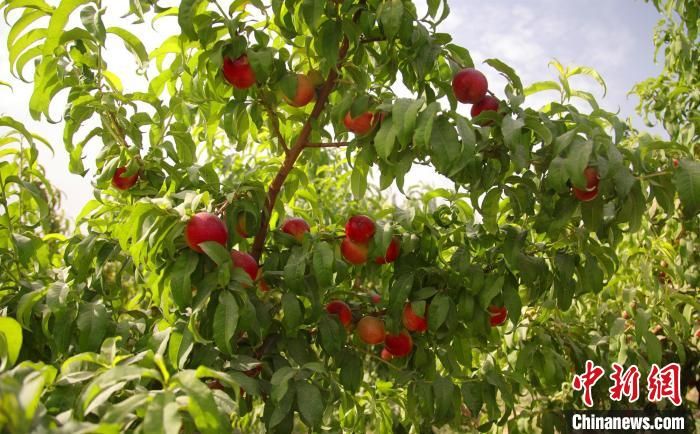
{"x":327,"y":145}
{"x":301,"y":142}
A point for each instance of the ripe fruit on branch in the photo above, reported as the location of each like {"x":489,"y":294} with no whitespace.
{"x":342,"y":310}
{"x":354,"y":253}
{"x":238,"y":72}
{"x":675,"y":163}
{"x":124,"y":182}
{"x":205,"y":226}
{"x":591,"y":190}
{"x":376,"y":298}
{"x":371,"y":330}
{"x":399,"y":345}
{"x":386,"y":355}
{"x":246,"y":262}
{"x":414,"y":322}
{"x":359,"y":228}
{"x":296,"y":227}
{"x":497,"y":315}
{"x":304,"y":93}
{"x":361,"y":124}
{"x":392,"y":252}
{"x":487,"y":103}
{"x":469,"y":86}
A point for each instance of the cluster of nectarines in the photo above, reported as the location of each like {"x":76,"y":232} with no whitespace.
{"x":359,"y":230}
{"x":470,"y":87}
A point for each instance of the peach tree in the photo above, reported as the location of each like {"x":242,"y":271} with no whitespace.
{"x":239,"y":268}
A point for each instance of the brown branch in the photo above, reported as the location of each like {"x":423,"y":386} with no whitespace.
{"x":327,"y":145}
{"x":301,"y":142}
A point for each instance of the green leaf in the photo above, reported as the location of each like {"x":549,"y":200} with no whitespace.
{"x":385,"y":139}
{"x":585,"y":70}
{"x":295,"y":268}
{"x":390,"y":15}
{"x":218,"y":253}
{"x":577,"y":161}
{"x":404,"y":113}
{"x":445,"y":146}
{"x":92,"y":21}
{"x":424,"y":126}
{"x":179,"y":274}
{"x":161,"y":415}
{"x":438,"y":311}
{"x":443,"y":389}
{"x":489,"y":210}
{"x":542,"y":86}
{"x":310,"y":403}
{"x":472,"y":396}
{"x":293,"y":314}
{"x":12,"y":333}
{"x":133,"y":44}
{"x":92,"y":323}
{"x":351,"y":372}
{"x":185,"y":17}
{"x":653,"y":347}
{"x":687,"y":181}
{"x":508,"y":72}
{"x":225,"y":321}
{"x":400,"y":291}
{"x":323,"y":261}
{"x":201,"y":405}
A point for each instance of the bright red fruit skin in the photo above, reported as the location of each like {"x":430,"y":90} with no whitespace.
{"x":296,"y":227}
{"x":487,"y":103}
{"x":305,"y":92}
{"x":246,"y":262}
{"x":371,"y":330}
{"x":360,"y":125}
{"x":497,"y":315}
{"x":469,"y":86}
{"x":205,"y":226}
{"x":414,"y":322}
{"x":354,"y":253}
{"x":376,"y":298}
{"x":392,"y":252}
{"x":342,"y":310}
{"x":359,"y":228}
{"x":399,"y":345}
{"x":591,"y":190}
{"x":124,"y":182}
{"x":386,"y":355}
{"x":239,"y":72}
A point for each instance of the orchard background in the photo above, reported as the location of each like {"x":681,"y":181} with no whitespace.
{"x":565,"y":233}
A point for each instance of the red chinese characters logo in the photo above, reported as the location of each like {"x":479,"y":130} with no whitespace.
{"x":665,"y":383}
{"x":625,"y":383}
{"x":587,"y":380}
{"x":662,"y":383}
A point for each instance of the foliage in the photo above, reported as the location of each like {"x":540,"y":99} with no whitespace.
{"x":124,"y":326}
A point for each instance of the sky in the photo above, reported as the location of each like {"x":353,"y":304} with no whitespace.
{"x":612,"y":36}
